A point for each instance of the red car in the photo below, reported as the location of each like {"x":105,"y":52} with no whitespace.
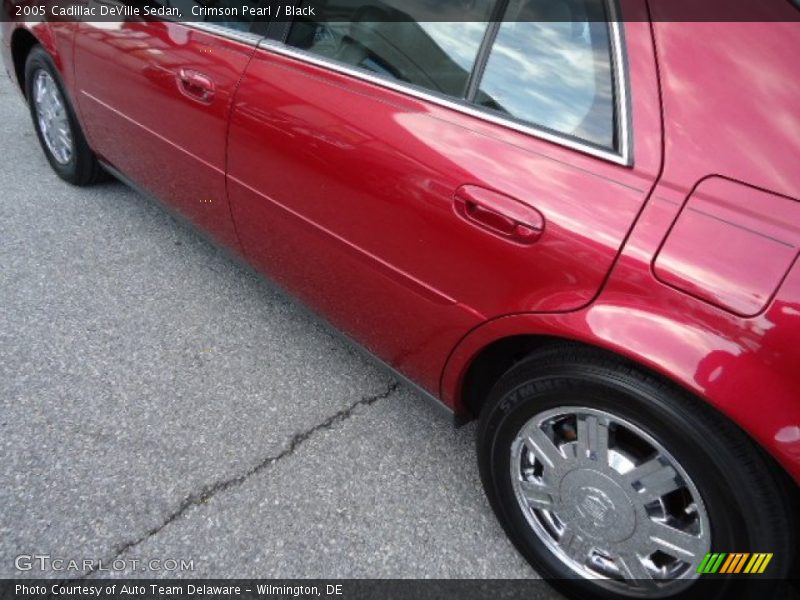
{"x":576,"y":220}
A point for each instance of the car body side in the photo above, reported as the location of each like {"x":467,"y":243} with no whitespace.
{"x":689,"y":127}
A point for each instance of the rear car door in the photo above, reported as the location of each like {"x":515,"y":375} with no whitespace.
{"x":412,"y":174}
{"x":155,"y":96}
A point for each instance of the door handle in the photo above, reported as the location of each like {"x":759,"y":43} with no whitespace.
{"x":195,"y":85}
{"x":499,"y":214}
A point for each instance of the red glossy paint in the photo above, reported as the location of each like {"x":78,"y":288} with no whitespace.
{"x":746,"y":252}
{"x":747,"y":368}
{"x":139,"y":87}
{"x":349,"y":203}
{"x":731,"y":114}
{"x":428,"y":234}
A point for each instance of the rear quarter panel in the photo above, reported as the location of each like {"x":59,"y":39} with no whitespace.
{"x":731,"y":106}
{"x":745,"y":368}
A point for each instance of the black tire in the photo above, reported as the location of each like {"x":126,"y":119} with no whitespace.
{"x":82,"y":168}
{"x":746,"y":498}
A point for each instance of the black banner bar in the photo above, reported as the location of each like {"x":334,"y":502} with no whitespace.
{"x":253,"y":11}
{"x":350,"y":589}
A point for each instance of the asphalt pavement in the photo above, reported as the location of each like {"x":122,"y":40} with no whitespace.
{"x":158,"y":401}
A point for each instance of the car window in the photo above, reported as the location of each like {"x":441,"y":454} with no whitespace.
{"x":547,"y":63}
{"x":393,"y":39}
{"x":551,"y":66}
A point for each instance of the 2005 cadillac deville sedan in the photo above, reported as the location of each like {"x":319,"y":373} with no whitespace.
{"x":576,"y":220}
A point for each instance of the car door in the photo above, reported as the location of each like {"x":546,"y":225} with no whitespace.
{"x":155,"y":96}
{"x":412,"y":177}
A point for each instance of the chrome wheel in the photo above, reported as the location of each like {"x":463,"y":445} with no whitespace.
{"x":51,"y":114}
{"x":609,"y":501}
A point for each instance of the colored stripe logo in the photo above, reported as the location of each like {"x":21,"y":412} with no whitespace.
{"x":734,"y":563}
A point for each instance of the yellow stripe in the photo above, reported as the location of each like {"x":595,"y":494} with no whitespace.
{"x":767,"y":558}
{"x":757,"y":564}
{"x":741,"y":562}
{"x":727,"y":562}
{"x":752,"y":562}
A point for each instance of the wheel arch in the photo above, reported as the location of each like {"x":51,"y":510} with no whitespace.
{"x":495,"y":359}
{"x":489,"y":365}
{"x":672,"y":349}
{"x":23,"y":40}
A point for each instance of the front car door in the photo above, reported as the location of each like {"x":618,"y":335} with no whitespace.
{"x":155,"y":96}
{"x":412,"y":178}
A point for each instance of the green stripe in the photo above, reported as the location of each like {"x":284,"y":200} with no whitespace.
{"x":712,"y":558}
{"x":702,"y":567}
{"x":718,"y":564}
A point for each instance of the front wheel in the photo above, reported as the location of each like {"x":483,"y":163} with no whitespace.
{"x":56,"y":124}
{"x":614,"y":484}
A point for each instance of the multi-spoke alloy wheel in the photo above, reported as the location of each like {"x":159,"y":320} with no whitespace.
{"x":52,"y":117}
{"x":613,"y":483}
{"x":609,"y":500}
{"x":57,"y":126}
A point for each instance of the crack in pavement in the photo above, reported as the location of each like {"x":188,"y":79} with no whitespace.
{"x":210,"y":491}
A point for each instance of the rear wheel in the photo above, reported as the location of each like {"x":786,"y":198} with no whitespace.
{"x":56,"y":125}
{"x":612,"y":483}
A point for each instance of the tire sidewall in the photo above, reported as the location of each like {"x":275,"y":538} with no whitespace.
{"x":40,"y":60}
{"x":696,"y":451}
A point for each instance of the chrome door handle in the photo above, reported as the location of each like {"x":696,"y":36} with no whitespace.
{"x":499,"y":214}
{"x":196,"y":85}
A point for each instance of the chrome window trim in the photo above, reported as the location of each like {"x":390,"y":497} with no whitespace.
{"x":246,"y":37}
{"x":621,"y":92}
{"x":619,"y":67}
{"x":622,"y":89}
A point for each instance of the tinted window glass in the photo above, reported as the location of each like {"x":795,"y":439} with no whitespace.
{"x":551,"y":66}
{"x":375,"y":36}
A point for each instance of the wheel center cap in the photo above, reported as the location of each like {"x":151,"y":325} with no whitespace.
{"x":596,"y":505}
